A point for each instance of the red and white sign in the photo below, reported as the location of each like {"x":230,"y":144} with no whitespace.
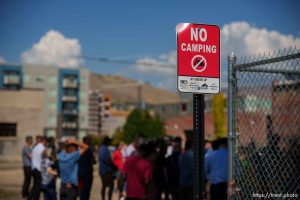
{"x":198,"y":58}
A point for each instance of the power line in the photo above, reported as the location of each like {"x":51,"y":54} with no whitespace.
{"x":128,"y":62}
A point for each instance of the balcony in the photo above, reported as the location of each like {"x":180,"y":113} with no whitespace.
{"x":69,"y":98}
{"x":12,"y":80}
{"x":70,"y":83}
{"x":93,"y":103}
{"x":105,"y":114}
{"x":105,"y":103}
{"x":94,"y":123}
{"x":70,"y":112}
{"x":69,"y":125}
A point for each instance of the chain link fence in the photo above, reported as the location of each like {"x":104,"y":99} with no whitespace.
{"x":264,"y":125}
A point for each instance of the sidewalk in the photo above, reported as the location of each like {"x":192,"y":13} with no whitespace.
{"x":11,"y":179}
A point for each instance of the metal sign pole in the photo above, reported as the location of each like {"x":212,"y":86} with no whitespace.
{"x":198,"y":154}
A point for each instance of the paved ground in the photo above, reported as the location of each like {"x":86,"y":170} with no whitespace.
{"x":11,"y":178}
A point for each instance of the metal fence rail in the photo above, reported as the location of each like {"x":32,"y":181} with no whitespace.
{"x":264,"y":125}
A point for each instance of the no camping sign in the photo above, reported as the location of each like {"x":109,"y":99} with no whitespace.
{"x":198,"y":58}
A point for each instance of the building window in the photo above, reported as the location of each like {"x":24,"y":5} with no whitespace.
{"x":8,"y":129}
{"x":52,"y":106}
{"x":267,"y":104}
{"x":70,"y":92}
{"x":177,"y":108}
{"x":51,"y":133}
{"x":83,"y":108}
{"x":82,"y":134}
{"x":82,"y":119}
{"x":27,"y":78}
{"x":183,"y":107}
{"x":83,"y":95}
{"x":39,"y":78}
{"x":82,"y":80}
{"x":52,"y":92}
{"x":12,"y":80}
{"x":51,"y":120}
{"x":52,"y":79}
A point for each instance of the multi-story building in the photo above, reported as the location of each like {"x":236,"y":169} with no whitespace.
{"x":94,"y":117}
{"x":66,"y":99}
{"x":286,"y":108}
{"x":21,"y":115}
{"x":99,"y":111}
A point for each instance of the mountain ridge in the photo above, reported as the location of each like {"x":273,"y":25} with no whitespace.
{"x":125,"y":90}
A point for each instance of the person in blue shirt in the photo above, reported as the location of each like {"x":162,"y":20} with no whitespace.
{"x":106,"y":169}
{"x":216,"y":171}
{"x":68,"y":168}
{"x":185,"y":163}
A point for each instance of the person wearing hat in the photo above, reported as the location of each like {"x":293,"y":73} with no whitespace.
{"x":68,"y":168}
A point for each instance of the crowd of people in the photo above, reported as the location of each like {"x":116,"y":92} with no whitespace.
{"x":144,"y":169}
{"x":44,"y":163}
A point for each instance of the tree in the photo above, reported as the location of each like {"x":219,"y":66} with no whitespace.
{"x":97,"y":140}
{"x":218,"y":113}
{"x":117,"y":137}
{"x":140,"y":123}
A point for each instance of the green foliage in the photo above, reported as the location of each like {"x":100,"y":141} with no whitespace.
{"x":218,"y":113}
{"x":117,"y":137}
{"x":140,"y":123}
{"x":97,"y":140}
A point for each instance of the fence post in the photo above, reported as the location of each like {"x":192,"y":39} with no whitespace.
{"x":231,"y":118}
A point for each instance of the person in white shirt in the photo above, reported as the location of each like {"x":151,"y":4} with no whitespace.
{"x":37,"y":152}
{"x":130,"y":150}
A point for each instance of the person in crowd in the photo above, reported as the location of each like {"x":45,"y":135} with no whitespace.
{"x":37,"y":152}
{"x":49,"y":172}
{"x":158,"y":174}
{"x":26,"y":157}
{"x":170,"y":147}
{"x":131,"y":149}
{"x":106,"y":169}
{"x":216,"y":171}
{"x":271,"y":153}
{"x":185,"y":162}
{"x":215,"y":145}
{"x":207,"y":148}
{"x":124,"y":151}
{"x":137,"y":172}
{"x":172,"y":169}
{"x":85,"y":170}
{"x":38,"y":139}
{"x":68,"y":168}
{"x":51,"y":143}
{"x":118,"y":161}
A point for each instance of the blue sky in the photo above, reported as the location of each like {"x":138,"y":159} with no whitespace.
{"x":132,"y":29}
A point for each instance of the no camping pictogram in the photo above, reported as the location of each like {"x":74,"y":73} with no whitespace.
{"x":199,"y":63}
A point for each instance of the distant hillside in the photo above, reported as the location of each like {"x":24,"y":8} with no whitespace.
{"x":124,"y":90}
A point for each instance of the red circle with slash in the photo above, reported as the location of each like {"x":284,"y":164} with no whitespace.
{"x":199,"y":63}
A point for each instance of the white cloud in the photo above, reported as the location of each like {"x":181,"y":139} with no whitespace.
{"x":163,"y":65}
{"x":2,"y":60}
{"x":239,"y":37}
{"x":244,"y":39}
{"x":54,"y":49}
{"x":160,"y":71}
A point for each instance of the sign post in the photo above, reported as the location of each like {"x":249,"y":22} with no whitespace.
{"x":198,"y":72}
